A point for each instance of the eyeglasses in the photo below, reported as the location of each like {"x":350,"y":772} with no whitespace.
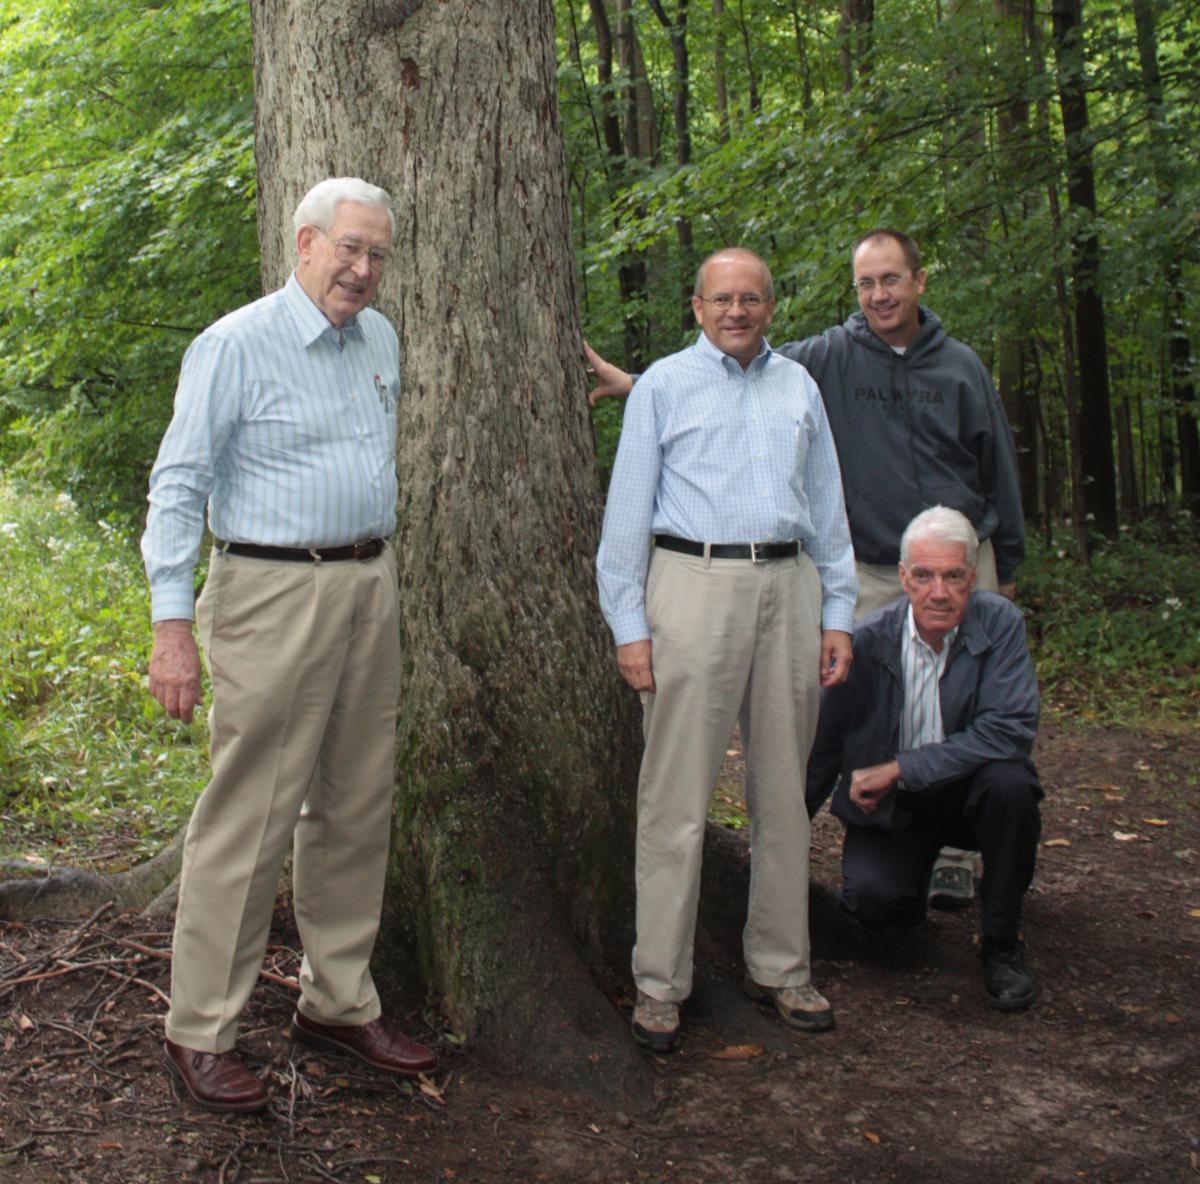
{"x":867,"y":283}
{"x":350,"y":250}
{"x":956,"y":577}
{"x":722,"y":302}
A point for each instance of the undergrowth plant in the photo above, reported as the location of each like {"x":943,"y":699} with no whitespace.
{"x":86,"y":754}
{"x":92,"y":771}
{"x":1117,"y":642}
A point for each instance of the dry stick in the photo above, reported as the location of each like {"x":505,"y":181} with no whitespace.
{"x":69,"y":968}
{"x":141,"y":982}
{"x":316,"y":1165}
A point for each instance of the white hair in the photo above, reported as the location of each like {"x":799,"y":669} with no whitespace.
{"x":319,"y":205}
{"x":943,"y":525}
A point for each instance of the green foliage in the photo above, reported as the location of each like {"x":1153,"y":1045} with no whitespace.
{"x":1118,"y":642}
{"x":947,"y":126}
{"x":127,"y":224}
{"x":86,"y":753}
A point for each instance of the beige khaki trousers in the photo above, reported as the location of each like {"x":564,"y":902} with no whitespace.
{"x":879,"y":584}
{"x":732,"y":641}
{"x":304,"y":662}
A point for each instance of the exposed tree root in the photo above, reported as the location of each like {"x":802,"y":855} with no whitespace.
{"x":70,"y":892}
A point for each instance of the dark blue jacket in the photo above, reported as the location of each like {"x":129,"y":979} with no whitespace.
{"x":989,"y":700}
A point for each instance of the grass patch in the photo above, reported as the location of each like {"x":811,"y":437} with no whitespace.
{"x":94,"y":772}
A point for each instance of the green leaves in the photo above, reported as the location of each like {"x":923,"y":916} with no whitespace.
{"x":126,"y":222}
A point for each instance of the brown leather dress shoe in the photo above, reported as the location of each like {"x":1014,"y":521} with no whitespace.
{"x":217,"y":1080}
{"x":375,"y":1044}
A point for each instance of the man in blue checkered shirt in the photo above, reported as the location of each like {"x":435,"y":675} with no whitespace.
{"x":739,"y":613}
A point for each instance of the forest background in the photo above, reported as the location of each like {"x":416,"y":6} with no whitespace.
{"x":1043,"y":156}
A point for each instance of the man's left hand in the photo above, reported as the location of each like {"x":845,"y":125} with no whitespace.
{"x":837,"y":653}
{"x":868,"y":787}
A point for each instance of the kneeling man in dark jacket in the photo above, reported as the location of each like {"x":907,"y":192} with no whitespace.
{"x":927,"y":744}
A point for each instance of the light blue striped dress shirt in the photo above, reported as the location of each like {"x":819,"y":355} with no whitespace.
{"x":286,"y":428}
{"x":715,"y":454}
{"x":921,"y":719}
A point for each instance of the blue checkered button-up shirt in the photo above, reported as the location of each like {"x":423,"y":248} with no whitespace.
{"x":286,"y":428}
{"x":718,"y":454}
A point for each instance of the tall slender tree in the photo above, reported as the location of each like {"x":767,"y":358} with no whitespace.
{"x":1091,"y":342}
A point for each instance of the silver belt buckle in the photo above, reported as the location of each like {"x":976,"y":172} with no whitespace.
{"x":754,"y":553}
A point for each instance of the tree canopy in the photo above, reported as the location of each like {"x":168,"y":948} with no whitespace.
{"x":126,"y":223}
{"x":1040,"y":155}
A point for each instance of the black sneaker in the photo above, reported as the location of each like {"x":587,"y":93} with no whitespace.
{"x":1008,"y":983}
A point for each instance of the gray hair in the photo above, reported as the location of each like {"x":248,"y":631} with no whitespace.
{"x":943,"y":525}
{"x":318,"y":206}
{"x":738,"y":252}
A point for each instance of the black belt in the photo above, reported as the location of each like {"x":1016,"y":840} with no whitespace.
{"x":367,"y":549}
{"x":755,"y":552}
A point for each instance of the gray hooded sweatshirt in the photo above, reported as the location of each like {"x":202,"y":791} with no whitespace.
{"x":915,"y":430}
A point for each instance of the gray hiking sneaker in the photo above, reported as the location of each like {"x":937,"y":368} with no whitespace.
{"x":656,"y":1024}
{"x":951,"y":886}
{"x":804,"y":1008}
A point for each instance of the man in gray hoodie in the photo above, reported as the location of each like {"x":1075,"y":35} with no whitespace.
{"x":917,"y":423}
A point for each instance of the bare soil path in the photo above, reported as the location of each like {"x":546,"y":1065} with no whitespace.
{"x":919,"y":1083}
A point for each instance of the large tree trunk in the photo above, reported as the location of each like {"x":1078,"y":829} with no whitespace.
{"x":517,"y":750}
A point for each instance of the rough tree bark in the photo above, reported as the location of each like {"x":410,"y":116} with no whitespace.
{"x":517,"y":750}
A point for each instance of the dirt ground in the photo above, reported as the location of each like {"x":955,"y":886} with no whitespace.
{"x":920,"y":1081}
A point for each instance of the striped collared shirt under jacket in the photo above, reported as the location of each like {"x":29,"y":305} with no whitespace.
{"x":921,"y":719}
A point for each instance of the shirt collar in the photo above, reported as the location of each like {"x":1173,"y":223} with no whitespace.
{"x":910,"y":631}
{"x":310,"y":320}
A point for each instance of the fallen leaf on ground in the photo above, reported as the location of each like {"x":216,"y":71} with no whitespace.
{"x":1194,"y":912}
{"x":430,"y":1090}
{"x":24,"y":1023}
{"x":1156,"y":822}
{"x":1124,"y":836}
{"x":1057,"y":843}
{"x":738,"y":1052}
{"x":871,"y":1137}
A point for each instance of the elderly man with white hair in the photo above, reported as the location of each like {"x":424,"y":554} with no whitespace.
{"x":284,"y":428}
{"x":928,"y":743}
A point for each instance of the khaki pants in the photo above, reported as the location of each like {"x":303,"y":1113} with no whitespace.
{"x":733,"y":641}
{"x":304,"y":660}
